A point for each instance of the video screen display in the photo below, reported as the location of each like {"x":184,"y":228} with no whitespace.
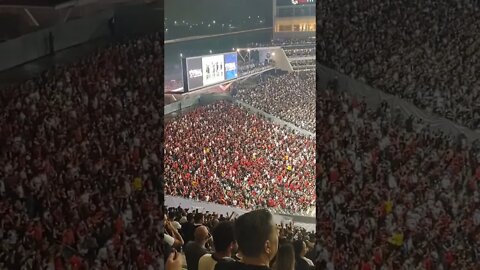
{"x":208,"y":70}
{"x":231,"y":66}
{"x":194,"y":72}
{"x":294,"y":2}
{"x":213,"y":69}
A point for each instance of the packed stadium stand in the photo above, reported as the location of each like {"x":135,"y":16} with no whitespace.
{"x":80,"y":157}
{"x":234,"y":157}
{"x":423,"y":51}
{"x":392,"y":192}
{"x":73,"y":165}
{"x":291,"y":97}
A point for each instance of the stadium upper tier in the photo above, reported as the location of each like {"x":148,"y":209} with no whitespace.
{"x":424,"y":51}
{"x":290,"y":97}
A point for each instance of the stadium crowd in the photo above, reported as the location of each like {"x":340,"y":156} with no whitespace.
{"x":246,"y":69}
{"x":300,"y":52}
{"x":221,"y":153}
{"x":424,"y":51}
{"x":290,"y":97}
{"x":392,"y":194}
{"x":208,"y":240}
{"x":79,"y":163}
{"x":285,"y":42}
{"x":298,"y":65}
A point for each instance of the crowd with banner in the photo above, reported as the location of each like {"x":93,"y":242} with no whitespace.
{"x":391,"y":193}
{"x":426,"y":52}
{"x":80,"y":164}
{"x":291,"y":97}
{"x":222,"y":153}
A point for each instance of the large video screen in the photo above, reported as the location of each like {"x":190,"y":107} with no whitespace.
{"x":208,"y":70}
{"x":213,"y":69}
{"x":231,"y":66}
{"x":194,"y":73}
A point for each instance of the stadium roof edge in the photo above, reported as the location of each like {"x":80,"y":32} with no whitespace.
{"x":56,"y":5}
{"x":169,"y":41}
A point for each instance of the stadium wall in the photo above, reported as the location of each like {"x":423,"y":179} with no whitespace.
{"x":170,"y":201}
{"x":182,"y":104}
{"x":130,"y":20}
{"x":36,"y":45}
{"x":374,"y":97}
{"x":281,"y":60}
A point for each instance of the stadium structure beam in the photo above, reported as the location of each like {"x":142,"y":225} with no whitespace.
{"x":67,"y":15}
{"x":31,"y":17}
{"x":240,"y":53}
{"x":79,"y":3}
{"x":24,"y":6}
{"x":74,"y":3}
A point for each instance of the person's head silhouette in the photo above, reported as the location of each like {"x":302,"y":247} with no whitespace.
{"x":257,"y":237}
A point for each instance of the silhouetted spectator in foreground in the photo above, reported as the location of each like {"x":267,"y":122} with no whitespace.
{"x":257,"y":239}
{"x":225,"y":246}
{"x":301,"y":263}
{"x":194,"y":250}
{"x":285,"y":258}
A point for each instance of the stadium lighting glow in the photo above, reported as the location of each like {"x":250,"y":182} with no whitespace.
{"x":210,"y":51}
{"x":233,"y":49}
{"x":273,"y":54}
{"x":248,"y":50}
{"x":181,"y":54}
{"x":238,"y":50}
{"x":213,"y":21}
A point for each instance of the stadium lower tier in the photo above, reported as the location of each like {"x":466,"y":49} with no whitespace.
{"x":223,"y":154}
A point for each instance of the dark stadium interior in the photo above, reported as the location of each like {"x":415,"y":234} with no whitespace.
{"x":32,"y":3}
{"x":21,"y":17}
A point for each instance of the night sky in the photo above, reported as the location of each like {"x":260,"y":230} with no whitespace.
{"x":220,"y":10}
